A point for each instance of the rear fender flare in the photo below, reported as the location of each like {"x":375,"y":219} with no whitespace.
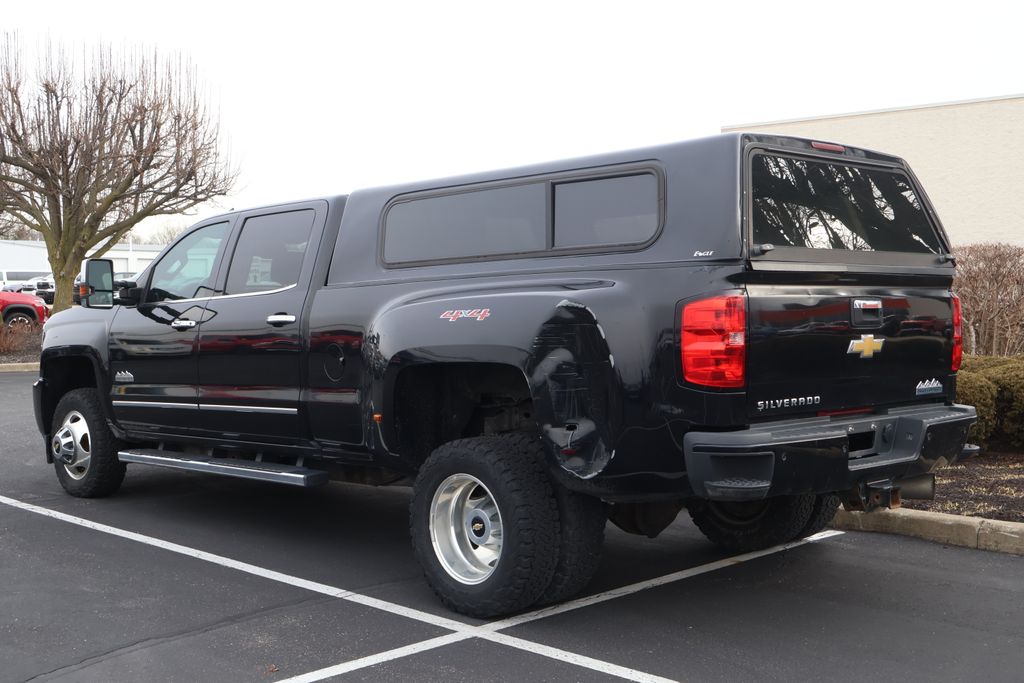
{"x":577,"y":395}
{"x":556,"y":343}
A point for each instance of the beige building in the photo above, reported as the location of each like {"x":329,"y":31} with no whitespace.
{"x":969,"y":156}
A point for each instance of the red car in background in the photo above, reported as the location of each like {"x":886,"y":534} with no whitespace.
{"x":22,"y":309}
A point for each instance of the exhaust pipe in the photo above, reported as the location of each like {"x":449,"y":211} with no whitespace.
{"x":918,"y":488}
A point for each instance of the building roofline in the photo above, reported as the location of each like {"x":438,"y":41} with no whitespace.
{"x":40,"y":244}
{"x":890,"y":110}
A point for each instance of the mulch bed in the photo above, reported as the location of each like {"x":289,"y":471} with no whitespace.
{"x":989,"y":485}
{"x":19,"y":346}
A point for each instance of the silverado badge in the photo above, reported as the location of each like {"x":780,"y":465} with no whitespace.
{"x":867,"y":346}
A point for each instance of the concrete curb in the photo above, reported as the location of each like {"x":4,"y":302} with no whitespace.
{"x":966,"y":532}
{"x":18,"y":367}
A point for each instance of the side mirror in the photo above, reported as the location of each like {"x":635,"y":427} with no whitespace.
{"x":97,"y":290}
{"x":128,"y":292}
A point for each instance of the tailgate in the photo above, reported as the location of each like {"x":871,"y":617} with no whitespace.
{"x":849,"y":289}
{"x":814,"y":349}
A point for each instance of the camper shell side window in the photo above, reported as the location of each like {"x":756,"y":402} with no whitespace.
{"x":604,"y":210}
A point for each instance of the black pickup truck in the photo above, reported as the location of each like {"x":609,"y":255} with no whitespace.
{"x":755,"y":328}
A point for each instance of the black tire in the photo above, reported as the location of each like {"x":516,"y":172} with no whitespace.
{"x":104,"y":472}
{"x":515,"y":481}
{"x":824,"y":510}
{"x":753,"y":525}
{"x":582,"y":520}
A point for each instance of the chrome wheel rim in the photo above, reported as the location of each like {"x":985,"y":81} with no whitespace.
{"x":466,"y":529}
{"x":72,"y":445}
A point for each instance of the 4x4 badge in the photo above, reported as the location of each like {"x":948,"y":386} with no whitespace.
{"x":867,"y":346}
{"x":477,"y":313}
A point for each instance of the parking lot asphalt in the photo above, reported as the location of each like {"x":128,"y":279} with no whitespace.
{"x":185,"y":577}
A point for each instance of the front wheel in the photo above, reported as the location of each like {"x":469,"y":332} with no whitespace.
{"x":485,"y":526}
{"x":84,"y":449}
{"x":753,"y":525}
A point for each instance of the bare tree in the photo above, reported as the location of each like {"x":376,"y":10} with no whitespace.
{"x":164,"y":234}
{"x":13,"y":230}
{"x":990,"y":284}
{"x":87,"y":151}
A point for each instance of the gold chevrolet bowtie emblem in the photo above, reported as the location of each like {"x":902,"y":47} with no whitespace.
{"x":867,"y":346}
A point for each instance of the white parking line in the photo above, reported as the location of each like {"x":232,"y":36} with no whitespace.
{"x":588,"y":600}
{"x":499,"y":638}
{"x":322,"y":588}
{"x":489,"y":631}
{"x":461,"y":630}
{"x":573,"y":658}
{"x":379,"y":658}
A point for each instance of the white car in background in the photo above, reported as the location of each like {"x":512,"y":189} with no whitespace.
{"x":41,"y":286}
{"x":15,"y":280}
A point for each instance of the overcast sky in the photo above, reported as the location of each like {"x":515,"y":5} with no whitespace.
{"x":319,"y":99}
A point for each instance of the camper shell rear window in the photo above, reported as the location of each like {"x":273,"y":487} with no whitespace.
{"x":833,"y":205}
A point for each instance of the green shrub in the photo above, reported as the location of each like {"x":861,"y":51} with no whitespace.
{"x":982,"y":363}
{"x":1009,"y":381}
{"x":975,"y":390}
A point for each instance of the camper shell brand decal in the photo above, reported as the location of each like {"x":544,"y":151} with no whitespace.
{"x":476,"y":313}
{"x":793,"y":402}
{"x":929,"y":386}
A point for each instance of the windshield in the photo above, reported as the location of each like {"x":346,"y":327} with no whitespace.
{"x":821,"y":205}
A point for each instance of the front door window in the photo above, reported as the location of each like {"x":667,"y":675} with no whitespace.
{"x":186,"y":271}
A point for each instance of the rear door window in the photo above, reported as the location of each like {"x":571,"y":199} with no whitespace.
{"x":823,"y":205}
{"x":270,"y":252}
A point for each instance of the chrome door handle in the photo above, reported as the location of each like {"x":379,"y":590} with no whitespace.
{"x":279,"y":319}
{"x":183,"y":324}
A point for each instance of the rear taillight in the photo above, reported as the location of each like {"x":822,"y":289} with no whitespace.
{"x":958,"y":334}
{"x":714,"y":341}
